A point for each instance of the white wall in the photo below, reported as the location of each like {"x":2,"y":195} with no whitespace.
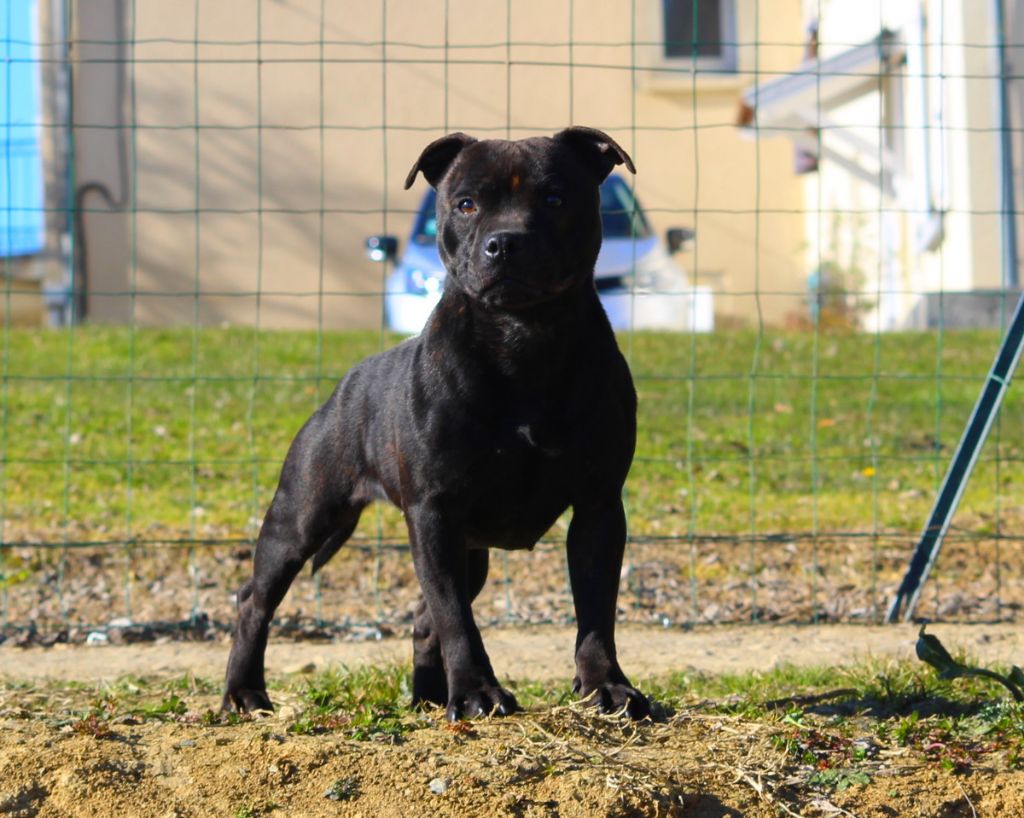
{"x":953,"y":142}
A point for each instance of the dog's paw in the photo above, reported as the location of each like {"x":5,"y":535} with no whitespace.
{"x":489,"y":700}
{"x":615,"y":698}
{"x":245,"y":701}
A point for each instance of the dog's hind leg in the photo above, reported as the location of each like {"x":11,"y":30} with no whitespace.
{"x":310,"y":515}
{"x":282,"y":549}
{"x":429,"y":681}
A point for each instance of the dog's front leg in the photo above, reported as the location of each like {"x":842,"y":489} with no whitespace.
{"x":596,"y":542}
{"x":439,"y":554}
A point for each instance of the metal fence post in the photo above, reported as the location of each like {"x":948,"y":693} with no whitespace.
{"x":959,"y":473}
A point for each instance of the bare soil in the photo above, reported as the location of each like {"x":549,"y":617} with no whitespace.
{"x":556,"y":762}
{"x":552,"y":761}
{"x":536,"y":653}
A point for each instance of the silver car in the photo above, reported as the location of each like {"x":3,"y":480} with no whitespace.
{"x":638,"y":282}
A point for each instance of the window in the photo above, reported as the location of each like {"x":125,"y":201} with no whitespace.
{"x":700,"y":32}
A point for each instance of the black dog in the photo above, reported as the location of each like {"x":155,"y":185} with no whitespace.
{"x":512,"y":405}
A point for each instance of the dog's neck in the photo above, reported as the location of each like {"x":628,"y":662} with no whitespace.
{"x":529,"y":344}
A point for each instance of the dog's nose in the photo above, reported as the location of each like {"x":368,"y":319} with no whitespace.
{"x":500,"y":245}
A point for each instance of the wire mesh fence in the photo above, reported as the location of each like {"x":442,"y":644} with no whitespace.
{"x":817,"y":262}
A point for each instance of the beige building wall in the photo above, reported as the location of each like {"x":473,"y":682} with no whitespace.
{"x":21,"y":301}
{"x":258,"y":143}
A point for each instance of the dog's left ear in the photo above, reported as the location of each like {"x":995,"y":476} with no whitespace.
{"x":437,"y":157}
{"x":597,"y":149}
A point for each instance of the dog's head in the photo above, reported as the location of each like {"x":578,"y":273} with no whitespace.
{"x":519,"y":222}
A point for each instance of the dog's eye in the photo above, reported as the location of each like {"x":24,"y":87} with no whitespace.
{"x":466,"y":206}
{"x":553,"y":200}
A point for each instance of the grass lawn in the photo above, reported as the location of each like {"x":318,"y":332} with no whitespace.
{"x":112,"y":435}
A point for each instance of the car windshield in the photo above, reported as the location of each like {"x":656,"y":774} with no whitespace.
{"x":621,"y":214}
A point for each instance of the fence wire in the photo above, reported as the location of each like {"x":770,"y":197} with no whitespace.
{"x":188,"y":188}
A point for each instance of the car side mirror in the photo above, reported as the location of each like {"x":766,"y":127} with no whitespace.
{"x":381,"y":248}
{"x":678,"y":237}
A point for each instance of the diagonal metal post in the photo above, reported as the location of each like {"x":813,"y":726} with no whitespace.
{"x":959,"y":473}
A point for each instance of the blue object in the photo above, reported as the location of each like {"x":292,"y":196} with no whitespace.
{"x":22,"y":214}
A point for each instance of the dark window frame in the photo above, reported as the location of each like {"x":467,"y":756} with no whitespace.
{"x":715,"y":54}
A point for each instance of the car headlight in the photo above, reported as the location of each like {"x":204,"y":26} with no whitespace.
{"x":646,"y":276}
{"x":657,"y":275}
{"x":420,"y":282}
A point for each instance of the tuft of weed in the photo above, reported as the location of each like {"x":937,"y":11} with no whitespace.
{"x":839,"y":779}
{"x":92,"y":725}
{"x":365,"y":703}
{"x":344,"y":789}
{"x":168,"y":707}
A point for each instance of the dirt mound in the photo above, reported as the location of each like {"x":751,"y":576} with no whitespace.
{"x":562,"y":761}
{"x":342,"y":742}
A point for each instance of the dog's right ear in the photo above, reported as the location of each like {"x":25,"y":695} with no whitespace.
{"x":437,"y":157}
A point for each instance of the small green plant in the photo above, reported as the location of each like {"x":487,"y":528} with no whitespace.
{"x":906,"y":729}
{"x":314,"y":723}
{"x":377,"y":723}
{"x":1015,"y":755}
{"x":343,"y":789}
{"x":839,"y":779}
{"x":169,"y":707}
{"x":93,"y":726}
{"x":95,"y":720}
{"x":367,"y":704}
{"x":836,"y":296}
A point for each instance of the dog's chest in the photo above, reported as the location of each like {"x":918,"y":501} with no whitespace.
{"x":522,"y":452}
{"x":535,"y":435}
{"x":531,"y":440}
{"x":520,"y":484}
